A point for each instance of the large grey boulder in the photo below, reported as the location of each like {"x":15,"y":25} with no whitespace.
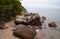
{"x":24,"y":32}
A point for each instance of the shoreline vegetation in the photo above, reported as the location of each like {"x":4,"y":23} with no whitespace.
{"x":9,"y":9}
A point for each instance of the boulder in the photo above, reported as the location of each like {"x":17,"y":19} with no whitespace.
{"x":20,"y":22}
{"x":3,"y":26}
{"x":24,"y":32}
{"x":52,"y":24}
{"x":35,"y":20}
{"x":32,"y":19}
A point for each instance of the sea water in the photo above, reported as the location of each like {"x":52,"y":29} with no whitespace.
{"x":51,"y":15}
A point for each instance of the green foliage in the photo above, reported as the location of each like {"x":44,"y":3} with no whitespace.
{"x":23,"y":10}
{"x":9,"y":9}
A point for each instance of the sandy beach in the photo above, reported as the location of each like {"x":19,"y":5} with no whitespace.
{"x":44,"y":33}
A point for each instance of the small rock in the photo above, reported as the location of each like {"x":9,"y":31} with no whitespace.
{"x":42,"y":21}
{"x":52,"y":24}
{"x":45,"y":27}
{"x":43,"y":18}
{"x":40,"y":27}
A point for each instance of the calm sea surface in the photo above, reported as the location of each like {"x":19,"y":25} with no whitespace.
{"x":51,"y":14}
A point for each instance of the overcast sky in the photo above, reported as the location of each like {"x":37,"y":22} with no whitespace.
{"x":41,"y":3}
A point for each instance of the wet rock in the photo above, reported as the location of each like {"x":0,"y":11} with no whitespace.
{"x":52,"y":24}
{"x":45,"y":27}
{"x":42,"y":21}
{"x":40,"y":27}
{"x":35,"y":20}
{"x":43,"y":18}
{"x":31,"y":19}
{"x":24,"y":32}
{"x":26,"y":14}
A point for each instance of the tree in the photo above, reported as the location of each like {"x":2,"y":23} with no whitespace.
{"x":9,"y":9}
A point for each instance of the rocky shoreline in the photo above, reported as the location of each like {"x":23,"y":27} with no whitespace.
{"x":8,"y":33}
